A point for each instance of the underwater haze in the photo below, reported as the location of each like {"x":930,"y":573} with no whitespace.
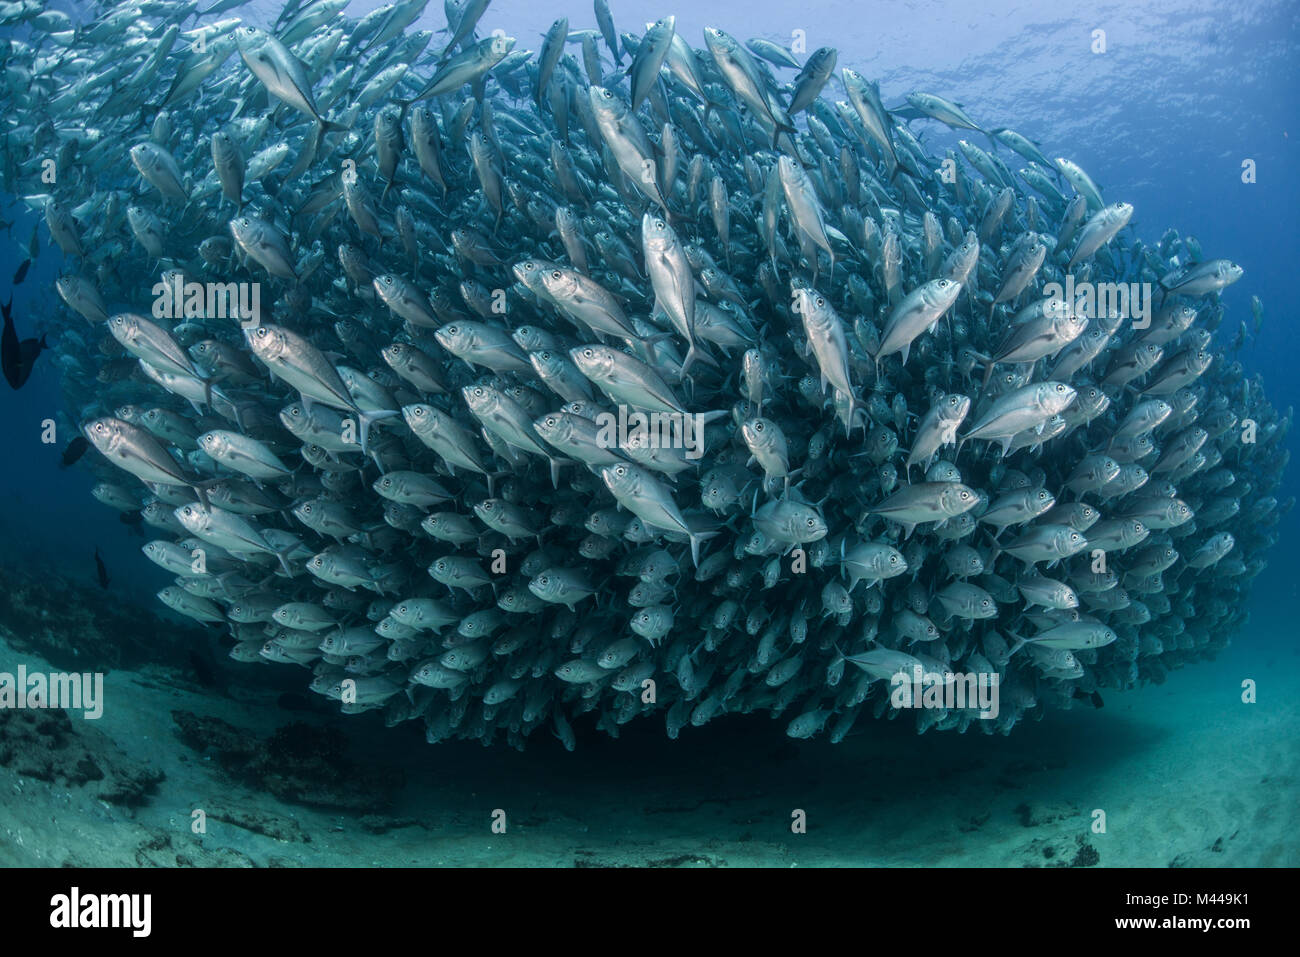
{"x":450,"y":607}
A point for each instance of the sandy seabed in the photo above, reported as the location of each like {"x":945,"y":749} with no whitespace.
{"x":1185,"y":773}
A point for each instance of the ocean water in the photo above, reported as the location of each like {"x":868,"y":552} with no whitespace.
{"x":1184,"y":772}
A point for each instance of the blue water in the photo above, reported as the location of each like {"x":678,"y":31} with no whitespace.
{"x":1163,"y":119}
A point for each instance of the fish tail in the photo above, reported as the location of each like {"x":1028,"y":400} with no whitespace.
{"x":997,"y":549}
{"x":283,"y":555}
{"x":201,"y":490}
{"x":369,"y":418}
{"x":988,"y":375}
{"x":695,"y":550}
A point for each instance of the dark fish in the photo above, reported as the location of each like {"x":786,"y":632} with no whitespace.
{"x":75,"y":450}
{"x":1093,"y":697}
{"x":28,"y":350}
{"x":204,"y":671}
{"x":21,"y":274}
{"x":10,"y":348}
{"x":18,"y":357}
{"x":101,"y":571}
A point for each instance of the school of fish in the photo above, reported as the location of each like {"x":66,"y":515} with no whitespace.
{"x":626,"y":377}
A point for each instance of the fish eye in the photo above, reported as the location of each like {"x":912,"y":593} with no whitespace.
{"x":555,"y":274}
